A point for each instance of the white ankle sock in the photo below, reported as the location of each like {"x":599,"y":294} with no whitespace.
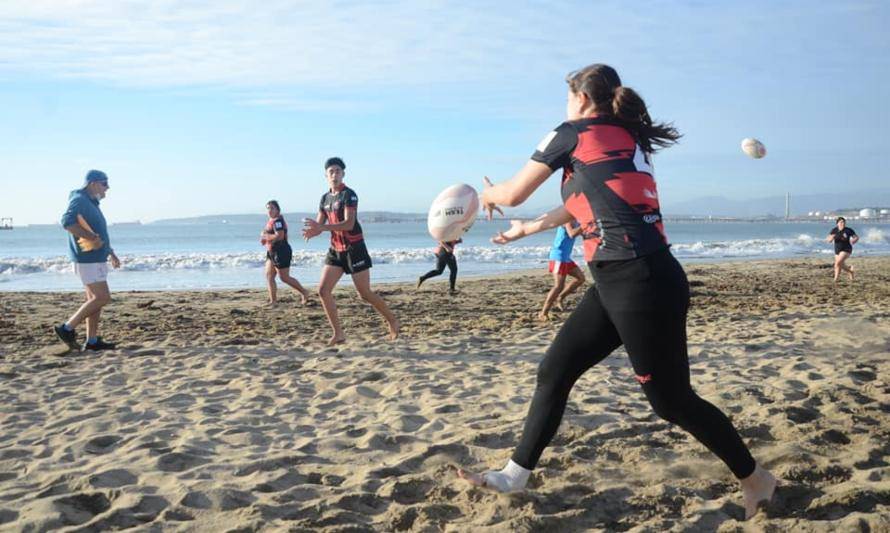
{"x":512,"y":478}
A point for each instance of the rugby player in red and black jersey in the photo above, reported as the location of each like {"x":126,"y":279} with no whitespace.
{"x":278,"y":254}
{"x":640,"y":296}
{"x":337,"y":213}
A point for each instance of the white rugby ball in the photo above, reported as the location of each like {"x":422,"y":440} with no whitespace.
{"x":753,"y":148}
{"x":453,"y":212}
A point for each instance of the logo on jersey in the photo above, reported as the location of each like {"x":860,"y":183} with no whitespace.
{"x":335,"y":205}
{"x":651,"y":218}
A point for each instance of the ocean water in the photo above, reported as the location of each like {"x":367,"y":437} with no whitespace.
{"x":166,"y":256}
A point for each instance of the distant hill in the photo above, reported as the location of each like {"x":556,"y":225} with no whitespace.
{"x":775,"y":205}
{"x":365,"y":216}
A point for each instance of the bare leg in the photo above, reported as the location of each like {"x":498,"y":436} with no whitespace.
{"x":92,"y":321}
{"x":362,"y":281}
{"x":330,"y":275}
{"x":558,"y":284}
{"x":577,"y":281}
{"x":98,"y":296}
{"x":270,"y":282}
{"x":842,"y":265}
{"x":284,"y":274}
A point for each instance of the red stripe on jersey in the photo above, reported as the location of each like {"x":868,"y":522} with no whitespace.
{"x":637,"y":189}
{"x":604,"y":143}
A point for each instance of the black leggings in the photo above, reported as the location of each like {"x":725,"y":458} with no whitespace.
{"x":441,"y":261}
{"x":640,"y":303}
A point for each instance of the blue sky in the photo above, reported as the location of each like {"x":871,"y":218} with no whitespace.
{"x":203,"y":107}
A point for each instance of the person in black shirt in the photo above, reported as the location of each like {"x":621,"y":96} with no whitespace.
{"x":844,"y":238}
{"x":278,"y":254}
{"x":444,"y":257}
{"x":640,"y":296}
{"x":337,"y":213}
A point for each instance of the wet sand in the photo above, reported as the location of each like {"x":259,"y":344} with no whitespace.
{"x":220,"y":413}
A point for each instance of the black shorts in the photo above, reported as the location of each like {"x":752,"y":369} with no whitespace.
{"x":280,"y":255}
{"x":354,"y":260}
{"x":839,"y":249}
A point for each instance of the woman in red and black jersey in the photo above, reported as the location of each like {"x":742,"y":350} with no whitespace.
{"x":641,"y":295}
{"x":337,"y":213}
{"x":278,"y":254}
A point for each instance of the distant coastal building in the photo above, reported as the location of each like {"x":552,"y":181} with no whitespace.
{"x":872,"y":214}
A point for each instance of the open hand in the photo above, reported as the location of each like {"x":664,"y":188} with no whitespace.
{"x":311,"y":228}
{"x":516,"y":231}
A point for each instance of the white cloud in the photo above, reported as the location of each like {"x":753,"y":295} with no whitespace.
{"x":278,"y":43}
{"x":482,"y":47}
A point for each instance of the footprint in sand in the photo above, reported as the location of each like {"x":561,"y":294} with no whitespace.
{"x":289,"y":480}
{"x":145,"y":510}
{"x":800,"y":415}
{"x":408,"y":492}
{"x":112,"y":479}
{"x":831,"y":436}
{"x":495,"y":441}
{"x":222,"y":499}
{"x":365,"y":504}
{"x":7,"y":516}
{"x":79,"y":508}
{"x":102,"y":445}
{"x":179,"y":462}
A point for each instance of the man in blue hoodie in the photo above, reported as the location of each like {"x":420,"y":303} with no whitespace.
{"x":90,"y":249}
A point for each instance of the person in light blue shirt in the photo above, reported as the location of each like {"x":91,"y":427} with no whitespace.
{"x":89,"y":248}
{"x":561,"y":265}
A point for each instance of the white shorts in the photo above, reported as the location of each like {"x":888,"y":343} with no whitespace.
{"x":91,"y":272}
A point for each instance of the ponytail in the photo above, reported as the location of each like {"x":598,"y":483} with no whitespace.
{"x":630,"y":109}
{"x":603,"y":86}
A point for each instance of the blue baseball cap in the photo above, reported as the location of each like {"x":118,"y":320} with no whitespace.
{"x":94,"y":175}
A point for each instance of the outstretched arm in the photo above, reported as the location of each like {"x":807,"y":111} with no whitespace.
{"x":519,"y":229}
{"x":517,"y":189}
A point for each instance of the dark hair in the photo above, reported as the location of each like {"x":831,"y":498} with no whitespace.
{"x":275,"y":204}
{"x":839,"y":219}
{"x":334,"y":161}
{"x":603,"y":86}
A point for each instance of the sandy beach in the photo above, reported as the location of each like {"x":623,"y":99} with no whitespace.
{"x":220,"y":413}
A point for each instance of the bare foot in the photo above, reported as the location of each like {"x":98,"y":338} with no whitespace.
{"x":495,"y":481}
{"x":850,"y":272}
{"x":336,"y":340}
{"x":477,"y":480}
{"x":272,"y":303}
{"x":394,"y":328}
{"x":304,"y":298}
{"x":756,"y":488}
{"x":544,"y":317}
{"x":560,"y":304}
